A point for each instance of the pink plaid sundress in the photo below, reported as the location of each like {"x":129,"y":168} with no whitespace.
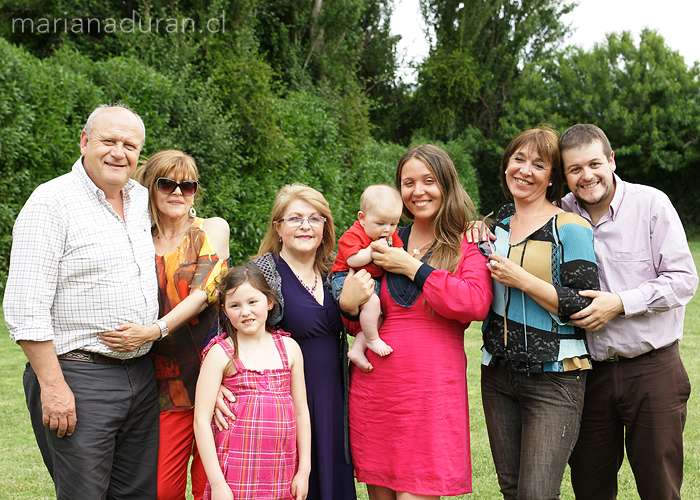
{"x":258,"y":452}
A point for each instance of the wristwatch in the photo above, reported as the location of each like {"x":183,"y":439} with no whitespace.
{"x":163,"y":328}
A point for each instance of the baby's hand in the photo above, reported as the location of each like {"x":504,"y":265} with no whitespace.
{"x":382,"y":242}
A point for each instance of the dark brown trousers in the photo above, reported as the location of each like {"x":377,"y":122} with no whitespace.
{"x":639,"y":404}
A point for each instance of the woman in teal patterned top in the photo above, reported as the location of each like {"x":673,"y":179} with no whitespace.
{"x":533,"y":361}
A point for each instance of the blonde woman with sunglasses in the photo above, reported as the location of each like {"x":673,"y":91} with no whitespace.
{"x":190,"y":253}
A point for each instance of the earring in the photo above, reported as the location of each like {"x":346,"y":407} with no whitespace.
{"x":321,"y":241}
{"x":550,"y":183}
{"x":279,"y":239}
{"x":193,"y":212}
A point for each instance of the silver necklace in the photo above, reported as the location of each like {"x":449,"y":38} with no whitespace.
{"x":417,"y":251}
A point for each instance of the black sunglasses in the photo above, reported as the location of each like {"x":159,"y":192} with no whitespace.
{"x":485,"y":246}
{"x":168,"y":186}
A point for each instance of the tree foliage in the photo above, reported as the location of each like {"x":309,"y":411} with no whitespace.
{"x":490,"y":40}
{"x":306,"y":91}
{"x":643,"y":96}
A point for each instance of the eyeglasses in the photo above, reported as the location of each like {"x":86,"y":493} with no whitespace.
{"x":485,"y":246}
{"x":314,"y":220}
{"x":168,"y":186}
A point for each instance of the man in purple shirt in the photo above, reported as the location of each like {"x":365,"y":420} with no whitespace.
{"x":637,"y":391}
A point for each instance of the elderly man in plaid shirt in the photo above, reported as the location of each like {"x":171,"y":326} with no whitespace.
{"x":82,"y":263}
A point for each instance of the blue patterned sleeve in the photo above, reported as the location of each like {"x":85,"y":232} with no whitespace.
{"x":578,"y":267}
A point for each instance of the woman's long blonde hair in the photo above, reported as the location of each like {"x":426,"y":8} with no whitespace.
{"x":289,"y":193}
{"x":456,"y":214}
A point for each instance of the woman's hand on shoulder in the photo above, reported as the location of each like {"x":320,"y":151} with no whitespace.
{"x":219,"y":232}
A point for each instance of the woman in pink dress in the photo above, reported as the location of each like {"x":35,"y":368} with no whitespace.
{"x":409,"y":418}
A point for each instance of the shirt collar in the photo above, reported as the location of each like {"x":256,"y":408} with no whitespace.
{"x":79,"y":171}
{"x":620,"y":189}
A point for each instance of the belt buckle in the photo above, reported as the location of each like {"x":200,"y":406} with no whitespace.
{"x":79,"y":355}
{"x":612,"y":359}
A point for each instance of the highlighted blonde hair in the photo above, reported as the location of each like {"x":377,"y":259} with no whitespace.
{"x":159,"y":165}
{"x":271,"y":242}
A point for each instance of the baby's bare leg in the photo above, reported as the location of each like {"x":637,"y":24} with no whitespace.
{"x":370,"y":312}
{"x":356,"y":354}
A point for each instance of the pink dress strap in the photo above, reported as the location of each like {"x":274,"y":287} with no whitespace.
{"x":237,"y":363}
{"x":228,"y":349}
{"x":279,"y":343}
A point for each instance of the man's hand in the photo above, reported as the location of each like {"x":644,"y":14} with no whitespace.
{"x":58,"y":408}
{"x":605,"y":306}
{"x":57,"y":400}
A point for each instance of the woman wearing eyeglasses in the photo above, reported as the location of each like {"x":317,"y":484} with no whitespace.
{"x":296,"y":256}
{"x":409,"y":418}
{"x":534,"y":362}
{"x":190,"y":253}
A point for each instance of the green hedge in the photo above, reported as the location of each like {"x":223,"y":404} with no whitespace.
{"x":318,"y":139}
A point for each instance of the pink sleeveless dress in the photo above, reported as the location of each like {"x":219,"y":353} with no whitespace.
{"x":258,"y":452}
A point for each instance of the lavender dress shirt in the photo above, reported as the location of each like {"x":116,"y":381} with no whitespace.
{"x":643,"y":256}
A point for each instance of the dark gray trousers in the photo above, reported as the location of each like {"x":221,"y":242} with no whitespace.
{"x":113,"y":453}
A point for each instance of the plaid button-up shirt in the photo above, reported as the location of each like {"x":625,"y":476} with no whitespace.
{"x":78,"y":269}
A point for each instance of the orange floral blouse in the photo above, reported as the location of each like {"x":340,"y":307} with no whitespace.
{"x":176,"y":358}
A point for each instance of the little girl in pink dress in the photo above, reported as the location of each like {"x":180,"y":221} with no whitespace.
{"x":266,"y":451}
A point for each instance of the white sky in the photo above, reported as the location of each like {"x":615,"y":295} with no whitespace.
{"x":675,"y":20}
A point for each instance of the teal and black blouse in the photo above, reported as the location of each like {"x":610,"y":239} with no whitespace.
{"x":520,"y":334}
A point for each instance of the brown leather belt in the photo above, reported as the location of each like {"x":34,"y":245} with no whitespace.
{"x":615,"y":358}
{"x":94,"y":357}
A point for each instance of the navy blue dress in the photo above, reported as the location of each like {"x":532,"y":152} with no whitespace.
{"x":317,"y":328}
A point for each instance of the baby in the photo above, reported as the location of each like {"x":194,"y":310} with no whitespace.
{"x":380,"y":211}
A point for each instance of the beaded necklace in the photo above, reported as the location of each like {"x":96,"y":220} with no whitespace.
{"x":313,"y":288}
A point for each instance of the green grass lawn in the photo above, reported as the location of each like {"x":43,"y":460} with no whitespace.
{"x":23,"y":475}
